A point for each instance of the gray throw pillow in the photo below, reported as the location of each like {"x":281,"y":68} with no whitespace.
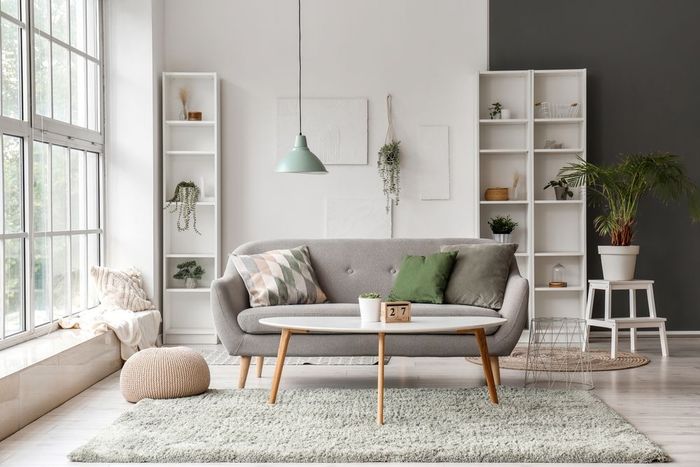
{"x":480,"y":274}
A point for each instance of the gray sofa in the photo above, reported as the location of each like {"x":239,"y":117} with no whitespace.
{"x":345,"y":269}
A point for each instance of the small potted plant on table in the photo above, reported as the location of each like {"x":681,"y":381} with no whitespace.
{"x":370,"y":306}
{"x":502,"y":228}
{"x":562,"y":192}
{"x":190,"y":272}
{"x":618,"y":189}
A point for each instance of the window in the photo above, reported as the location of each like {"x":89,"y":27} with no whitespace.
{"x":51,"y":172}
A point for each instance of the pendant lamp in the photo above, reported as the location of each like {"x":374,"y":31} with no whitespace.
{"x":300,"y":159}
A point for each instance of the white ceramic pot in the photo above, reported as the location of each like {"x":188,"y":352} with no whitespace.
{"x":191,"y":283}
{"x":503,"y":238}
{"x":618,"y":262}
{"x":369,"y":309}
{"x":505,"y":114}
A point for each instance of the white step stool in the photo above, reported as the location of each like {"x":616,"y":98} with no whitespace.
{"x":633,"y":322}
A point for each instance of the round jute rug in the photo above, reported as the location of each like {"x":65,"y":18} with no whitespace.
{"x":600,"y":360}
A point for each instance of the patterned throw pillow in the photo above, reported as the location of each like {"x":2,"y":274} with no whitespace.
{"x":279,"y":277}
{"x":120,"y":289}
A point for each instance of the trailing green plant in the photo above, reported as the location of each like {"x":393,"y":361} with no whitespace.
{"x":561,"y":183}
{"x":502,"y":224}
{"x":189,"y":270}
{"x":495,"y":110}
{"x":370,"y":295}
{"x":184,"y":202}
{"x":389,"y":165}
{"x":618,"y":189}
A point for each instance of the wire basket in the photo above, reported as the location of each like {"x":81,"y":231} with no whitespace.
{"x":549,"y":110}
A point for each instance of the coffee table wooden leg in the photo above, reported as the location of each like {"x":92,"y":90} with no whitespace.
{"x":279,"y":364}
{"x":380,"y":380}
{"x":486,"y":363}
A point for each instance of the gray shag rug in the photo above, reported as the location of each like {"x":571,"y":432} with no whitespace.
{"x":338,"y":425}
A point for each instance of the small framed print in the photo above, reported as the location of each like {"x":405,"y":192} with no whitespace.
{"x":396,"y":312}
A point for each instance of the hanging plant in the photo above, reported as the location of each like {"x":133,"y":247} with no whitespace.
{"x":389,"y":163}
{"x":184,"y":202}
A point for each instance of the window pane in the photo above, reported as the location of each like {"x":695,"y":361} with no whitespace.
{"x":59,"y":19}
{"x":41,"y":186}
{"x":42,"y":75}
{"x":78,"y":272}
{"x":93,"y":96}
{"x":11,"y":7}
{"x":92,"y":28}
{"x":93,"y":258}
{"x":42,"y":299}
{"x":11,"y":69}
{"x":59,"y":277}
{"x":78,"y":93}
{"x":12,"y":277}
{"x":61,"y":83}
{"x":41,"y":15}
{"x":12,"y":183}
{"x":77,"y":190}
{"x":77,"y":24}
{"x":93,"y":194}
{"x":59,"y":188}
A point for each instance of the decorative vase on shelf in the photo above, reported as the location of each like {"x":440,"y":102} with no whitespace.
{"x":191,"y":283}
{"x":558,"y":271}
{"x":505,"y":114}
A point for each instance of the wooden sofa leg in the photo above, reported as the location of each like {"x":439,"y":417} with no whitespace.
{"x":243,"y":375}
{"x":259,"y":366}
{"x":496,"y":369}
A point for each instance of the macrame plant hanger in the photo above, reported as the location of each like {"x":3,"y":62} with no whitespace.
{"x":390,"y":136}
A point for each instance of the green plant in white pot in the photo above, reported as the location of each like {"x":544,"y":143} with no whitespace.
{"x":618,"y":189}
{"x":370,"y":306}
{"x":502,"y":228}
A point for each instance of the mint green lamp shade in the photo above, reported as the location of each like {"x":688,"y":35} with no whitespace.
{"x":300,"y":159}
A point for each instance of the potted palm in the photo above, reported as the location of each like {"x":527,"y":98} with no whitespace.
{"x":617,"y":189}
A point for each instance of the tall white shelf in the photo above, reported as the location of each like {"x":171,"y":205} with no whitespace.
{"x":549,"y":231}
{"x":191,"y":152}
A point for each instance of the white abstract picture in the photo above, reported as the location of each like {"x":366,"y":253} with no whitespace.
{"x":335,"y":129}
{"x":357,"y":218}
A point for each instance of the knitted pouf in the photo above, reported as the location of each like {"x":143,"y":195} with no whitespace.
{"x":164,"y":373}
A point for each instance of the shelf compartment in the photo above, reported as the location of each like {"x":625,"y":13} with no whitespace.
{"x":573,"y":265}
{"x":558,"y":228}
{"x":190,"y":241}
{"x":519,"y":214}
{"x":498,"y":170}
{"x":503,"y":136}
{"x":189,"y":137}
{"x":191,"y":168}
{"x":178,"y":285}
{"x":185,"y":316}
{"x":560,"y":87}
{"x":547,"y":168}
{"x":558,"y":305}
{"x":510,"y":88}
{"x":569,"y":134}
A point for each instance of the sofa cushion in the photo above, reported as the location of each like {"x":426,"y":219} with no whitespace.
{"x":248,"y":319}
{"x":279,"y":277}
{"x":422,"y":279}
{"x":480,"y":274}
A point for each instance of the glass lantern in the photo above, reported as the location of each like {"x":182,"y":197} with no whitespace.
{"x":558,"y":274}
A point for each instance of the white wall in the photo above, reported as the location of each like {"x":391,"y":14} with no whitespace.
{"x":133,"y":40}
{"x":424,"y":52}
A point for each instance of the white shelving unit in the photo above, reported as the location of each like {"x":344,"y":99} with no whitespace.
{"x":549,"y":231}
{"x":191,"y":152}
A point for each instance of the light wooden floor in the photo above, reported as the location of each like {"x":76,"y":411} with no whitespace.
{"x":661,"y":399}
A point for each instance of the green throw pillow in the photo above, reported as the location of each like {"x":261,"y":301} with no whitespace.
{"x":480,"y":274}
{"x":422,"y":279}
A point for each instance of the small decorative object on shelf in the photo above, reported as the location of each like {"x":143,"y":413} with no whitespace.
{"x":370,"y":305}
{"x":552,"y":144}
{"x":184,"y":95}
{"x":389,"y":162}
{"x":502,"y":228}
{"x":496,"y":194}
{"x":562,"y":192}
{"x":190,"y":272}
{"x":495,"y":110}
{"x":184,"y":202}
{"x":194,"y":116}
{"x":396,"y":312}
{"x":505,"y":114}
{"x":558,"y":271}
{"x":549,"y":110}
{"x":514,"y":193}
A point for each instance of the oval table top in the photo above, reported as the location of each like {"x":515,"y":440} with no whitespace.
{"x":353,"y":325}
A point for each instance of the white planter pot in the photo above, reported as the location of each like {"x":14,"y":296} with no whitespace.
{"x":369,"y":309}
{"x":618,"y":262}
{"x":503,"y":238}
{"x":505,"y":114}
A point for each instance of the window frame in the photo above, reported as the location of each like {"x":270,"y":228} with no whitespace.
{"x":32,"y":128}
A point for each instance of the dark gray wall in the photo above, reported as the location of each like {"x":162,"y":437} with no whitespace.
{"x":643,"y":61}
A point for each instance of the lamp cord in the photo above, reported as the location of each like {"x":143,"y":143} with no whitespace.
{"x":299,"y":12}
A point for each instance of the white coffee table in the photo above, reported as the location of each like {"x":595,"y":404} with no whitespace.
{"x":349,"y":325}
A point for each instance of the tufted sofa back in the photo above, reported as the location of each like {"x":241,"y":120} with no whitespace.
{"x":348,"y":267}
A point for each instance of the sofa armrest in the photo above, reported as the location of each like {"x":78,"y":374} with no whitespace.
{"x":228,"y":298}
{"x":515,"y":310}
